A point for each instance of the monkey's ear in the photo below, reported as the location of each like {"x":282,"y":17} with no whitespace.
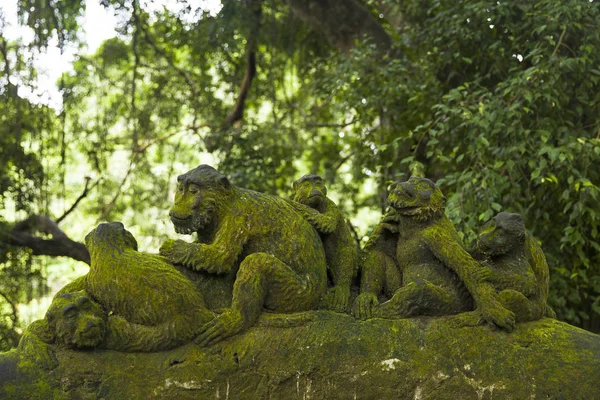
{"x":46,"y":332}
{"x":223,"y":181}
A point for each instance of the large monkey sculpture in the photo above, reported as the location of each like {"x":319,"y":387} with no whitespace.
{"x":276,"y":254}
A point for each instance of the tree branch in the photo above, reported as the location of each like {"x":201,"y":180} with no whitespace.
{"x":85,"y":192}
{"x":59,"y":245}
{"x":251,"y":44}
{"x":15,"y":315}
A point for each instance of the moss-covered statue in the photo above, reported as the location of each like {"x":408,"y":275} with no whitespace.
{"x":341,"y":251}
{"x":515,"y":267}
{"x":438,"y":276}
{"x":278,"y":256}
{"x":129,"y":301}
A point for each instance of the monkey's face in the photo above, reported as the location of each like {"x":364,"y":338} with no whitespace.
{"x":76,"y":321}
{"x":417,"y":198}
{"x":501,"y":235}
{"x":310,"y":190}
{"x":196,"y":205}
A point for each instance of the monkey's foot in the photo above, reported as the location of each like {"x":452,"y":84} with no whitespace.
{"x":336,"y":299}
{"x":221,"y":327}
{"x":498,"y":316}
{"x":467,"y":319}
{"x":365,"y":306}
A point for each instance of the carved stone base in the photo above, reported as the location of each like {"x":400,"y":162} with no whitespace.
{"x":332,"y":356}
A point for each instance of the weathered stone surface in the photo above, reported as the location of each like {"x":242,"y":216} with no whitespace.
{"x":332,"y":356}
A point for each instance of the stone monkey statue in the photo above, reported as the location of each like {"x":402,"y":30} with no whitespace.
{"x":129,"y":301}
{"x":515,"y":266}
{"x":276,"y":255}
{"x":341,"y":251}
{"x":439,"y":277}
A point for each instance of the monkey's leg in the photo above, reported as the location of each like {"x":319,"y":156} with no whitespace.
{"x":372,"y":281}
{"x":262,"y":281}
{"x":418,"y":298}
{"x":524,"y":308}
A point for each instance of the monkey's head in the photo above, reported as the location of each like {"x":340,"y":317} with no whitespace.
{"x":76,"y":321}
{"x":310,"y":190}
{"x":199,"y":194}
{"x":417,"y":198}
{"x":109,"y":237}
{"x":501,"y":234}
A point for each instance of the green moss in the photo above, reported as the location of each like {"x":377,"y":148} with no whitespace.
{"x":333,"y":356}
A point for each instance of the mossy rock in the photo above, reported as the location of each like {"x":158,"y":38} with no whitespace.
{"x":332,"y":356}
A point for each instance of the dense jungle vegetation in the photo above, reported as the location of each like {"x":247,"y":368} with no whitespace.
{"x":497,"y":101}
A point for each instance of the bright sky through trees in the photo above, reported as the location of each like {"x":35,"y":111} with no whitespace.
{"x":98,"y":25}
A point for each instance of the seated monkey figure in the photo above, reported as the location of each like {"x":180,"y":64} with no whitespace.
{"x":515,"y":266}
{"x":276,"y":255}
{"x":341,"y":252}
{"x":439,"y":277}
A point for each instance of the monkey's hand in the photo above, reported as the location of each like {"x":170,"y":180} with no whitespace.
{"x":390,"y":222}
{"x":483,"y":274}
{"x":364,"y":306}
{"x":336,"y":299}
{"x":177,"y":252}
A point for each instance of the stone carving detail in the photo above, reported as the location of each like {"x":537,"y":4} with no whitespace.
{"x":438,"y":276}
{"x":275,"y":255}
{"x":515,"y":266}
{"x":310,"y":199}
{"x":129,"y":301}
{"x":278,"y":256}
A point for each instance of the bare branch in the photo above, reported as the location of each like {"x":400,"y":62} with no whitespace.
{"x":108,"y":208}
{"x":85,"y":192}
{"x":59,"y":245}
{"x":15,"y":315}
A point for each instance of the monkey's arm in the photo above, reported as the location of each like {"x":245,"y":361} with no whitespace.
{"x":445,"y":244}
{"x":527,"y":285}
{"x":35,"y":344}
{"x":343,"y":270}
{"x":218,"y":257}
{"x":324,"y":223}
{"x":125,"y":336}
{"x":390,"y":221}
